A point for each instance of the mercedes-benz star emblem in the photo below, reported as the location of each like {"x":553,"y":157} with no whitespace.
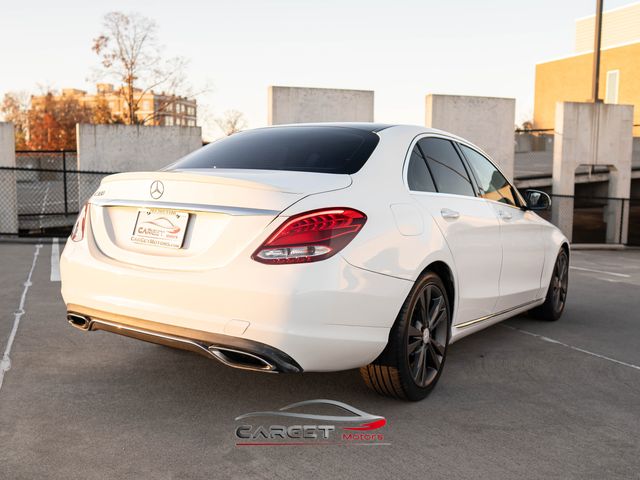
{"x":157,"y":189}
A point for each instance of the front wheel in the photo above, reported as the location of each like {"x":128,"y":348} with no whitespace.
{"x":412,"y":362}
{"x":556,"y":298}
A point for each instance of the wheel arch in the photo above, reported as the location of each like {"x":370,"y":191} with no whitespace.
{"x":445,"y":272}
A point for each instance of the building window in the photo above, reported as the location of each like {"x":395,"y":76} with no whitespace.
{"x":168,"y":121}
{"x":613,"y":82}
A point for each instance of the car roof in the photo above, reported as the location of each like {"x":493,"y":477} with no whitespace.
{"x":364,"y":126}
{"x":371,"y":127}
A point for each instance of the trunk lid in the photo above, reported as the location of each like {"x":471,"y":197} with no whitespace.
{"x":227,"y":209}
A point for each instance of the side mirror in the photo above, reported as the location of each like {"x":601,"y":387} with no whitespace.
{"x":537,"y":200}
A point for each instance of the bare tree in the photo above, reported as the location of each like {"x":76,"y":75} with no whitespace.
{"x":232,"y":121}
{"x":131,"y":55}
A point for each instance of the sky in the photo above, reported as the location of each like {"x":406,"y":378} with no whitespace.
{"x":401,"y":49}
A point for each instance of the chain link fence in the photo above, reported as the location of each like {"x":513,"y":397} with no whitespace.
{"x":595,"y":219}
{"x":46,"y":194}
{"x":634,"y":222}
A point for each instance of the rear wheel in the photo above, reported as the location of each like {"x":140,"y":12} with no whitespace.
{"x":412,"y":362}
{"x":556,"y":298}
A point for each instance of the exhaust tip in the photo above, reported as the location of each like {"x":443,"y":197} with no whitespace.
{"x":79,"y":321}
{"x":243,"y":360}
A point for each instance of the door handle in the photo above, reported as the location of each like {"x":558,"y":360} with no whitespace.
{"x":448,"y":213}
{"x":504,"y":215}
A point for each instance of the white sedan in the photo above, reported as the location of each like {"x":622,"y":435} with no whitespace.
{"x":316,"y":247}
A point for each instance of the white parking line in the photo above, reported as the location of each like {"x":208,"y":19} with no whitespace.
{"x":44,"y":203}
{"x":55,"y":260}
{"x":577,"y":349}
{"x":5,"y":363}
{"x":623,"y":275}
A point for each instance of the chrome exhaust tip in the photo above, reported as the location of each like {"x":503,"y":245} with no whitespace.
{"x":240,"y":359}
{"x":78,"y":321}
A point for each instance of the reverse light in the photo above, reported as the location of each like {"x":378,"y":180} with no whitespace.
{"x":311,"y":236}
{"x":77,"y":234}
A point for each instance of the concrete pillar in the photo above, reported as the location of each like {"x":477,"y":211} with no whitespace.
{"x":593,"y":134}
{"x":485,"y":121}
{"x":308,"y":105}
{"x":8,"y":184}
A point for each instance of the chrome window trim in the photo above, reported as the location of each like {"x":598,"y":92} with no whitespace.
{"x":488,"y":317}
{"x":454,"y":139}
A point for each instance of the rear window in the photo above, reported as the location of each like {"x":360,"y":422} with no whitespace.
{"x":303,"y":149}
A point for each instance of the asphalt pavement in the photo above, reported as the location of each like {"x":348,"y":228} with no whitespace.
{"x":523,"y":399}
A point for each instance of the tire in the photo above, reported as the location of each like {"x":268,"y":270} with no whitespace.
{"x":556,"y":299}
{"x":413,"y":360}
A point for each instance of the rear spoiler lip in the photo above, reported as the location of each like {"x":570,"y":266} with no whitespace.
{"x":181,"y":175}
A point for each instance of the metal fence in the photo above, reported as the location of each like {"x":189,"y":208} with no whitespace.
{"x":48,"y":193}
{"x":598,"y":219}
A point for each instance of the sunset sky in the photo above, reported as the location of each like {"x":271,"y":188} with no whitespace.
{"x":402,"y":49}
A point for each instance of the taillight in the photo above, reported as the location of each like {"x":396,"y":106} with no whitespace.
{"x":77,"y":234}
{"x":311,"y":236}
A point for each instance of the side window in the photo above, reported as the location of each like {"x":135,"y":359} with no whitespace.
{"x":446,"y":166}
{"x":418,"y":175}
{"x":491,"y":182}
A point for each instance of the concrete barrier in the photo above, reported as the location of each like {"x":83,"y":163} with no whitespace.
{"x":486,"y":121}
{"x":129,"y":148}
{"x":306,"y":105}
{"x":8,"y":195}
{"x":593,"y":134}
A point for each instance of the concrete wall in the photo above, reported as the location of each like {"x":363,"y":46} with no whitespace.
{"x":488,"y":122}
{"x":305,"y":105}
{"x":593,"y":134}
{"x":8,"y":192}
{"x":127,"y":148}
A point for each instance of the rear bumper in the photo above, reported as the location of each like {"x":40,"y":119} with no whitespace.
{"x":232,"y":351}
{"x":324,"y":316}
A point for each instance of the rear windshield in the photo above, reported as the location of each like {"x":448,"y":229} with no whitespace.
{"x":303,"y":149}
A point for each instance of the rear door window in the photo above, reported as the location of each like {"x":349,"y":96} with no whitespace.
{"x":323,"y":149}
{"x":418,"y":176}
{"x":449,"y":173}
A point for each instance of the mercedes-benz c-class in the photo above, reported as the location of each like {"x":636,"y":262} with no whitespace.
{"x":316,"y":247}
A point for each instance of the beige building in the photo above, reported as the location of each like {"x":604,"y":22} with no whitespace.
{"x":569,"y":79}
{"x":153,"y":108}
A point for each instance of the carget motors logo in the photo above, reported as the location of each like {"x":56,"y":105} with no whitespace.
{"x":355,"y":428}
{"x":156,"y":190}
{"x":157,"y":226}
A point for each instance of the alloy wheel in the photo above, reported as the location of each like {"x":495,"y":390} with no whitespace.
{"x":560,"y":282}
{"x":427,"y":335}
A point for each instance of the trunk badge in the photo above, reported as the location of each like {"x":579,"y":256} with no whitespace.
{"x":157,"y":189}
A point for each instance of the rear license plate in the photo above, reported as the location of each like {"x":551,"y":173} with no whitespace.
{"x":160,"y":227}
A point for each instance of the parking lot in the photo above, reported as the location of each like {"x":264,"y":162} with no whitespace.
{"x":523,"y":399}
